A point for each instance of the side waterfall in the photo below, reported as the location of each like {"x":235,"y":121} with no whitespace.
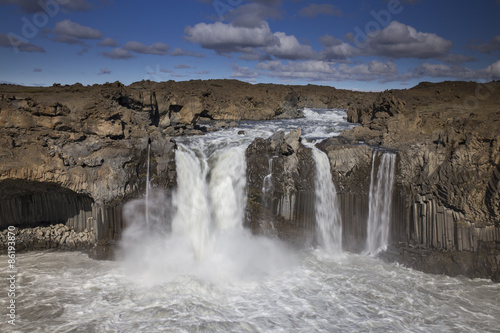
{"x":328,"y":221}
{"x":148,"y":186}
{"x":380,"y":202}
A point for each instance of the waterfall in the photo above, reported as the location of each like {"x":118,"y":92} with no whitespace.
{"x":267,"y":184}
{"x":148,"y":186}
{"x":198,"y":229}
{"x":328,"y":222}
{"x":210,"y":197}
{"x":380,"y":202}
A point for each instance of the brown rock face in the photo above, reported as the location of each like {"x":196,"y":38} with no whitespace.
{"x":280,"y":178}
{"x":447,"y":182}
{"x":72,"y":155}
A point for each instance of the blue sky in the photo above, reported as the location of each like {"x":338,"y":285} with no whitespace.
{"x":362,"y":45}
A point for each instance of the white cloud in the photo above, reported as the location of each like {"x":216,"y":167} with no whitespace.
{"x":457,"y":72}
{"x":253,"y":14}
{"x":178,"y":52}
{"x":290,"y":48}
{"x":108,"y":42}
{"x":227,"y":38}
{"x":492,"y":46}
{"x":399,"y":40}
{"x":243,"y":72}
{"x":19,"y":45}
{"x":457,"y":58}
{"x":336,"y":48}
{"x":156,"y":48}
{"x":73,"y":29}
{"x":493,"y":71}
{"x":69,"y":40}
{"x":316,"y":70}
{"x":255,"y":43}
{"x":118,"y":53}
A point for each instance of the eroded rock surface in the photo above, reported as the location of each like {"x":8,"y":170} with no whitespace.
{"x":280,"y":178}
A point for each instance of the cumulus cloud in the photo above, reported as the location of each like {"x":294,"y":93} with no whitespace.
{"x":243,"y":72}
{"x":399,"y":40}
{"x":457,"y":58}
{"x":227,"y":38}
{"x":491,"y":72}
{"x":156,"y":48}
{"x":255,"y":43}
{"x":290,"y":48}
{"x":253,"y":14}
{"x":33,"y":6}
{"x":314,"y":10}
{"x":69,"y":40}
{"x":73,"y":29}
{"x":492,"y":46}
{"x":108,"y":42}
{"x":316,"y":70}
{"x":19,"y":44}
{"x":118,"y":53}
{"x":104,"y":71}
{"x":335,"y":48}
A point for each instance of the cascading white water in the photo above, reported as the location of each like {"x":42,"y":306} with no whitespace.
{"x":148,"y":185}
{"x":380,"y":203}
{"x":207,"y":237}
{"x":192,"y":219}
{"x":267,"y":183}
{"x":328,"y":221}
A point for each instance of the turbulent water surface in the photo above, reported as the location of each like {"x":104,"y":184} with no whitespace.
{"x":188,"y":265}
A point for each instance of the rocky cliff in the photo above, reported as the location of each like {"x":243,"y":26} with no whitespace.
{"x":280,"y":181}
{"x":446,"y":201}
{"x":74,"y":154}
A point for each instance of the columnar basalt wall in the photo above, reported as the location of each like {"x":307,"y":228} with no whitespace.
{"x":280,"y":178}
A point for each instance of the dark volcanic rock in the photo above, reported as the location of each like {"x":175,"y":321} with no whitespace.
{"x":447,"y":194}
{"x":280,"y":177}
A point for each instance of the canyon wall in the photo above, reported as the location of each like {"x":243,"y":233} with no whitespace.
{"x":71,"y":155}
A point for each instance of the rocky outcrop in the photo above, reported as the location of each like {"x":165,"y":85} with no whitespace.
{"x":53,"y":237}
{"x":280,"y":178}
{"x":446,"y":194}
{"x":74,"y":159}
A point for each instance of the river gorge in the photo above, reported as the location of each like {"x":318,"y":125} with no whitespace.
{"x":231,"y":207}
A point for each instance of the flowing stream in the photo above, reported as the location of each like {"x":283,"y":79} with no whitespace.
{"x":196,"y":269}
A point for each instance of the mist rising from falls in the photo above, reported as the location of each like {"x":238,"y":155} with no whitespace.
{"x":380,"y":203}
{"x":200,"y":230}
